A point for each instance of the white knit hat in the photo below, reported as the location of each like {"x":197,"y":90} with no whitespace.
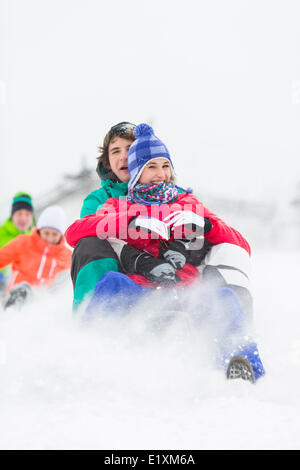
{"x":52,"y":217}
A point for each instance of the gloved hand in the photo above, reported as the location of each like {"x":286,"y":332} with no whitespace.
{"x":175,"y":254}
{"x":155,"y":269}
{"x":134,"y":261}
{"x":151,"y":225}
{"x":185,"y":224}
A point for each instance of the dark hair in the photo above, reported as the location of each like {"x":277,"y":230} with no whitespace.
{"x":124,"y":130}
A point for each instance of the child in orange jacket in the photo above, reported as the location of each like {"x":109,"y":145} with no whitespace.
{"x":36,"y":259}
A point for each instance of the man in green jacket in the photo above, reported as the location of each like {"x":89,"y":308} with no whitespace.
{"x":20,"y":221}
{"x":93,"y":257}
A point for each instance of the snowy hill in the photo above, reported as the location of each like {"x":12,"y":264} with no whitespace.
{"x":117,"y":387}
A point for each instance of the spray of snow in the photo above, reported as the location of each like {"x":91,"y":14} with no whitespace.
{"x":126,"y":384}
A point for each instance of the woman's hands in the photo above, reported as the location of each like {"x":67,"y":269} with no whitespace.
{"x":187,"y":224}
{"x":155,"y":227}
{"x":177,"y":225}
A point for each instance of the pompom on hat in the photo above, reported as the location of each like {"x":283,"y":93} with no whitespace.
{"x":146,"y":147}
{"x":52,"y":217}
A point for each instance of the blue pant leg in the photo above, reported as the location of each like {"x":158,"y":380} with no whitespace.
{"x":232,"y":337}
{"x":115,"y":293}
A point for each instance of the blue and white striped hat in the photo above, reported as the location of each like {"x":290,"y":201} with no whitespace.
{"x":146,"y":147}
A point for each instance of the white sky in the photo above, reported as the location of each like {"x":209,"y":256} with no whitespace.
{"x":219,"y":80}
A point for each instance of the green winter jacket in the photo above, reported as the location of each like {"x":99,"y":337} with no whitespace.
{"x":8,"y":231}
{"x":96,"y":199}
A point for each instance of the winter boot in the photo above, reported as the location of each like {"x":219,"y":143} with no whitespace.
{"x":245,"y":363}
{"x":240,"y":368}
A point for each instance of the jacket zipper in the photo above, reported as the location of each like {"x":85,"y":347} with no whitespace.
{"x":42,"y":264}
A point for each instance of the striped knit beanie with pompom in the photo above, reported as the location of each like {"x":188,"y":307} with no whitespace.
{"x":146,"y":147}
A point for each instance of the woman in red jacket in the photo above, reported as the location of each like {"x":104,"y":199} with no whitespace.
{"x":37,"y":258}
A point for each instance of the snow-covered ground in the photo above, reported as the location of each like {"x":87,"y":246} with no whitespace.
{"x":62,"y":386}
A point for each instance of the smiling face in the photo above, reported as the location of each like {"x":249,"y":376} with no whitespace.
{"x":117,"y":155}
{"x":156,"y":171}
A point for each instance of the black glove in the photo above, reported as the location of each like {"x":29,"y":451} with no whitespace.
{"x":155,"y":269}
{"x":134,"y":261}
{"x":175,"y":254}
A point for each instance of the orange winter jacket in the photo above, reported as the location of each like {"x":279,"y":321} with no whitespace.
{"x":33,"y":260}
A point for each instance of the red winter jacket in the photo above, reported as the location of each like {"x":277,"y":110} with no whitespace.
{"x":112,"y":222}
